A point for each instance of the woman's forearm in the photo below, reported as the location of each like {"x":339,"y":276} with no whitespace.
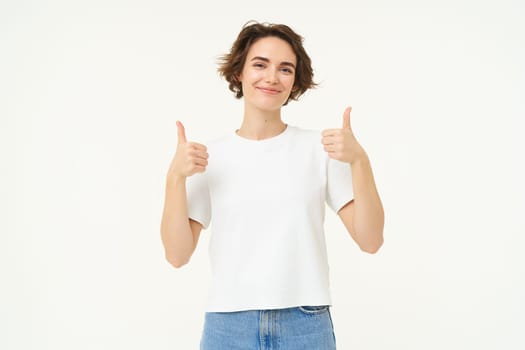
{"x":176,"y":233}
{"x":368,"y":209}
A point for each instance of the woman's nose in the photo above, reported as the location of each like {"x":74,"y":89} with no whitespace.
{"x":271,"y":76}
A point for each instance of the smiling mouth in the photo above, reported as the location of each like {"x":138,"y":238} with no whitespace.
{"x":269,"y":91}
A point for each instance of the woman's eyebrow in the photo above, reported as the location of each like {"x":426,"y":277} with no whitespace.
{"x":264,"y":59}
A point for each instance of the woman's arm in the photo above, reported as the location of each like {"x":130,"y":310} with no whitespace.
{"x":363,"y":217}
{"x":179,"y":233}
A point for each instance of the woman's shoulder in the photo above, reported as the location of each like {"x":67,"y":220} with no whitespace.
{"x":222,"y":143}
{"x":305,"y":134}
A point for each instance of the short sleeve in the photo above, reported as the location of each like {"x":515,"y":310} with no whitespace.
{"x":198,"y":199}
{"x":338,"y":184}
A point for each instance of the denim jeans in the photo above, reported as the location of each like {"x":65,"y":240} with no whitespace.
{"x":296,"y":328}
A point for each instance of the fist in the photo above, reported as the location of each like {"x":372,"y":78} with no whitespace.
{"x":341,"y":144}
{"x":190,"y":157}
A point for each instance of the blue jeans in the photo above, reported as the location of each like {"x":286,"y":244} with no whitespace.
{"x":296,"y":328}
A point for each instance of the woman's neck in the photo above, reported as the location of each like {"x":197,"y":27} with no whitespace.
{"x":260,"y":125}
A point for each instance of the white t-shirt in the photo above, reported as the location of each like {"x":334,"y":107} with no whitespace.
{"x":266,"y":202}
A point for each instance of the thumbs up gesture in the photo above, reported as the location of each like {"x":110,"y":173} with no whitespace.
{"x":190,"y":157}
{"x":341,"y":144}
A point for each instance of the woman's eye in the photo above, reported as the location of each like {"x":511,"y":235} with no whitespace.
{"x":258,"y":65}
{"x":287,"y":70}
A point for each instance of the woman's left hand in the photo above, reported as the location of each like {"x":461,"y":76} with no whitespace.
{"x":341,"y":144}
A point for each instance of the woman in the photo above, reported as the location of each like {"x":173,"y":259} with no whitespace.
{"x":267,"y":184}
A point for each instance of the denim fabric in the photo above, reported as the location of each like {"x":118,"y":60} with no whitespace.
{"x":296,"y":328}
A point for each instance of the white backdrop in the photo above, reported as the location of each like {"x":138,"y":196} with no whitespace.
{"x":89,"y":95}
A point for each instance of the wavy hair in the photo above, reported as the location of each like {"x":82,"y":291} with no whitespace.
{"x":232,"y":63}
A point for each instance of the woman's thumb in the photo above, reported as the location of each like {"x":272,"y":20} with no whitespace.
{"x":181,"y":133}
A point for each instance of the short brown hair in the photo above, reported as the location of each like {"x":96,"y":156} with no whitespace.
{"x":232,"y":63}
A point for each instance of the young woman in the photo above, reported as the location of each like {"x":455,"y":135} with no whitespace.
{"x":265,"y":187}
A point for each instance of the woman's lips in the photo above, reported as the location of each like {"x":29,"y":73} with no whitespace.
{"x":268,"y":91}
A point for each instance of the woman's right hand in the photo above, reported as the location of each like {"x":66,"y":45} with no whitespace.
{"x":190,"y":157}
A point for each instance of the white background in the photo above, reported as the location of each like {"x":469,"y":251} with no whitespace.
{"x":89,"y":95}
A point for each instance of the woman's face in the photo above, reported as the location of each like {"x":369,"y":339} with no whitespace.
{"x":268,"y":74}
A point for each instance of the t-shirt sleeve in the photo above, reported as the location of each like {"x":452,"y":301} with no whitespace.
{"x":198,"y":199}
{"x":338,"y":184}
